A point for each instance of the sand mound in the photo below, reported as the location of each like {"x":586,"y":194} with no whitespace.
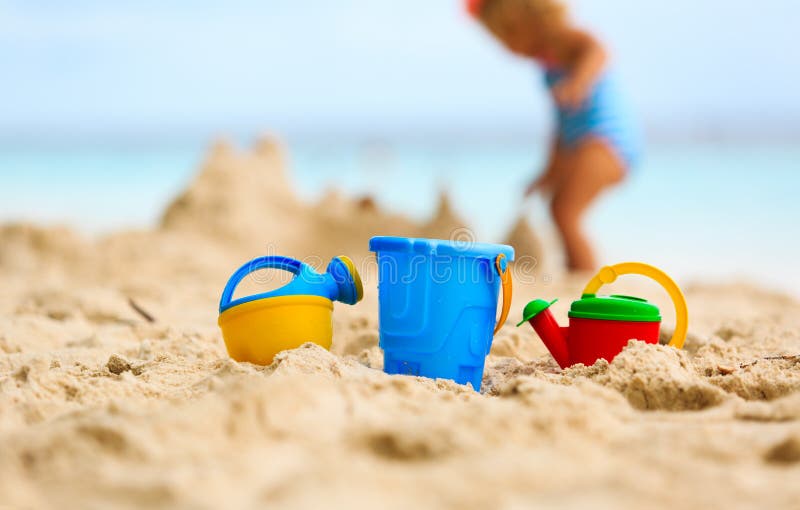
{"x":237,"y":195}
{"x":245,"y":198}
{"x":104,"y":406}
{"x":30,"y":249}
{"x":527,"y":245}
{"x":653,"y":377}
{"x":446,"y":223}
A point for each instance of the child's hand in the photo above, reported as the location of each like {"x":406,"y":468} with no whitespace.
{"x":542,"y":183}
{"x":571,"y":93}
{"x":587,"y":63}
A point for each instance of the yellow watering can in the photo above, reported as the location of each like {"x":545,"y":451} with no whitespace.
{"x":256,"y":328}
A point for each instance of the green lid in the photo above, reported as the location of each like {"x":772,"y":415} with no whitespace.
{"x":614,"y":308}
{"x":534,"y":308}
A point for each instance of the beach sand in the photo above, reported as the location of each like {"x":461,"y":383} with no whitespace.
{"x":104,"y":406}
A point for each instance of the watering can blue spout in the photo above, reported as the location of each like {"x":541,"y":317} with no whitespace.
{"x":339,"y":282}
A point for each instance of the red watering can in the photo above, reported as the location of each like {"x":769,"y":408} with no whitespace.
{"x":601,"y":326}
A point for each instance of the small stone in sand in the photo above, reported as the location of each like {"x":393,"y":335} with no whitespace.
{"x":785,"y":452}
{"x":117,"y":364}
{"x":725,"y":370}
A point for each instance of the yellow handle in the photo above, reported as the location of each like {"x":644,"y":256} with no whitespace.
{"x":609,"y":274}
{"x":505,"y":277}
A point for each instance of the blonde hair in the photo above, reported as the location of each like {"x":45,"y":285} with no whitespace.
{"x":496,"y":14}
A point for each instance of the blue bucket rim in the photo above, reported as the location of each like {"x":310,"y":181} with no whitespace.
{"x":440,"y":247}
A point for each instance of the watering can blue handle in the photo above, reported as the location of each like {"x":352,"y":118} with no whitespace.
{"x":270,"y":262}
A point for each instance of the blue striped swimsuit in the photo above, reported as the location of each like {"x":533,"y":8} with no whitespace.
{"x":603,"y":115}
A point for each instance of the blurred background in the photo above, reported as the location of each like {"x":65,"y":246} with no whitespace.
{"x":107,"y":108}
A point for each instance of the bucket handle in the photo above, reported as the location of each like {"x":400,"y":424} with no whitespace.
{"x":270,"y":262}
{"x":609,"y":274}
{"x":501,"y":264}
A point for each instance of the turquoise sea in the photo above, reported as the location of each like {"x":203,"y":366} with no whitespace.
{"x":715,"y":212}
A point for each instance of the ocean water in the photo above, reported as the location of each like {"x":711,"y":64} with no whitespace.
{"x":712,"y":212}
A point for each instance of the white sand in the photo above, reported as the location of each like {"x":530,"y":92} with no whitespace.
{"x":101,"y":409}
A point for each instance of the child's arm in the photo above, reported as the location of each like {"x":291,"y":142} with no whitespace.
{"x":586,"y":59}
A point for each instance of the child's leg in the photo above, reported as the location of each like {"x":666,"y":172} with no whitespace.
{"x":592,"y":167}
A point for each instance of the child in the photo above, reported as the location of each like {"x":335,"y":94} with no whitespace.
{"x":596,"y":142}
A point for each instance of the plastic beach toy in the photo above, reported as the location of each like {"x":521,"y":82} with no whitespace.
{"x":438,"y":303}
{"x":601,"y":326}
{"x":256,"y":328}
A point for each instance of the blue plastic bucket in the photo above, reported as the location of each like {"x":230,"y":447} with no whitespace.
{"x":438,"y":303}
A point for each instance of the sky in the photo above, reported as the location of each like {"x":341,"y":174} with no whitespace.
{"x":371,"y":67}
